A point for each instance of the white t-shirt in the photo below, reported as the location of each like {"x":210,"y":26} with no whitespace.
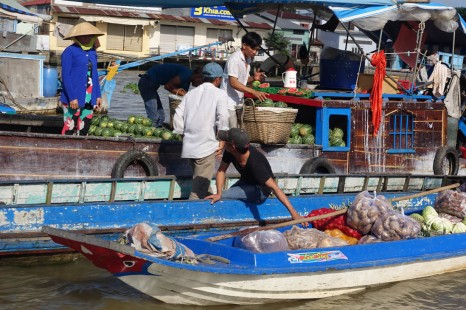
{"x":199,"y":115}
{"x":239,"y":67}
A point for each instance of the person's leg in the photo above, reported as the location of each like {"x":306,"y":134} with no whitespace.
{"x":160,"y":112}
{"x":203,"y":170}
{"x":84,"y":121}
{"x":148,"y":91}
{"x":244,"y":191}
{"x":69,"y":120}
{"x":232,"y":119}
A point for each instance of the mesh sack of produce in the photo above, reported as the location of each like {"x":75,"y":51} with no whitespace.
{"x":365,"y":210}
{"x":299,"y":238}
{"x":264,"y":241}
{"x":451,"y":202}
{"x":173,"y":102}
{"x":369,"y":239}
{"x":395,"y":226}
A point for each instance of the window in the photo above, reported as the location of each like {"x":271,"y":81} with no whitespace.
{"x":7,"y":25}
{"x":124,"y":37}
{"x":173,"y":38}
{"x":401,"y":133}
{"x":298,"y":32}
{"x":214,"y":34}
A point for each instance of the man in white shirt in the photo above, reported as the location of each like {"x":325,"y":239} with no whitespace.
{"x":201,"y":113}
{"x":236,"y":74}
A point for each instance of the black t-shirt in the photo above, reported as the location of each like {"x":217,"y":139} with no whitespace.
{"x":256,"y":171}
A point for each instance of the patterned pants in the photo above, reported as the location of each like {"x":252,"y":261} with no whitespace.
{"x":76,"y":121}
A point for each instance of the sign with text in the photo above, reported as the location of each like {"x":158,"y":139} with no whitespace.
{"x":216,"y":12}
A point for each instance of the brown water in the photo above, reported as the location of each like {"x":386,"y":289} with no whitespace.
{"x":80,"y":285}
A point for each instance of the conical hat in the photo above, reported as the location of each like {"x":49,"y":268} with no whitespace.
{"x":83,"y":29}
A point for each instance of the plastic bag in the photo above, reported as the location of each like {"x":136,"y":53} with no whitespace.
{"x":299,"y":238}
{"x":451,"y":202}
{"x":263,"y":241}
{"x":365,"y":210}
{"x":395,"y":226}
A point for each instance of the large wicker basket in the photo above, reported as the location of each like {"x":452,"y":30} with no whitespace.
{"x":267,"y":125}
{"x":173,"y":103}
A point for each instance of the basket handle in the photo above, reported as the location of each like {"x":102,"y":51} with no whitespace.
{"x":244,"y":108}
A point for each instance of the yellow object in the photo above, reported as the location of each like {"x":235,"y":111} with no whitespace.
{"x":388,"y":86}
{"x":339,"y":234}
{"x":111,"y":72}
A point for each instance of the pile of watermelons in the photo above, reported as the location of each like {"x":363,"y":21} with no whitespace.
{"x":136,"y":126}
{"x":298,"y":92}
{"x":301,"y":134}
{"x":269,"y":103}
{"x":335,"y":137}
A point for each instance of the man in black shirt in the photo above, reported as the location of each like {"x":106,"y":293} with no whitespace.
{"x":257,"y":180}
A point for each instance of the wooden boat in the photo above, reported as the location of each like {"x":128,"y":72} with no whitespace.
{"x":108,"y":207}
{"x":239,"y":276}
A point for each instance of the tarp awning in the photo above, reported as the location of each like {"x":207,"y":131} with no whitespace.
{"x":17,"y":11}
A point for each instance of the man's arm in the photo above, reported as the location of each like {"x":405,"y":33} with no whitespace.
{"x":173,"y":86}
{"x":284,"y":200}
{"x":245,"y":89}
{"x":219,"y":182}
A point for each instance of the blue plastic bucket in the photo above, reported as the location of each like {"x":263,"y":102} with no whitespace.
{"x":50,"y":81}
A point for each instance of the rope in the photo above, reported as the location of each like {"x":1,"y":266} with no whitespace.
{"x":357,"y":77}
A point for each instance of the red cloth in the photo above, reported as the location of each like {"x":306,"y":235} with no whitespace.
{"x":380,"y":63}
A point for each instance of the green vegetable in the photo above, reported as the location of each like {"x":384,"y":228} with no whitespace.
{"x":131,"y":119}
{"x":337,"y":132}
{"x":131,"y":86}
{"x":256,"y":84}
{"x":458,"y":228}
{"x":309,"y":139}
{"x":417,"y":217}
{"x":305,"y":130}
{"x":429,"y":213}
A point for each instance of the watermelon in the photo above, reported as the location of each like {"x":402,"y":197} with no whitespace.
{"x":166,"y":135}
{"x":131,"y":119}
{"x":107,"y":132}
{"x":110,"y":123}
{"x":124,"y":127}
{"x":104,"y":118}
{"x":95,"y":121}
{"x":291,"y":91}
{"x":92,"y":129}
{"x":117,"y":125}
{"x":98,"y":131}
{"x":117,"y":133}
{"x":267,"y":103}
{"x":139,"y":129}
{"x":256,"y":84}
{"x":282,"y":91}
{"x":299,"y":93}
{"x":305,"y":130}
{"x":264,"y":85}
{"x":147,"y":122}
{"x":139,"y":119}
{"x":131,"y":129}
{"x":337,"y":132}
{"x":147,"y":131}
{"x":342,"y":144}
{"x":157,"y":132}
{"x":335,"y":141}
{"x":103,"y":123}
{"x":296,"y":140}
{"x":295,"y":129}
{"x":280,"y":104}
{"x":309,"y":139}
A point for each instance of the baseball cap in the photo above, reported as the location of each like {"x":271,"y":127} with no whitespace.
{"x":212,"y":70}
{"x":239,"y":137}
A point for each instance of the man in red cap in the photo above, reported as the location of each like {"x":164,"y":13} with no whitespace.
{"x":257,"y":179}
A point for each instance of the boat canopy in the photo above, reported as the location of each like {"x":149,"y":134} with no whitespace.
{"x":14,"y":10}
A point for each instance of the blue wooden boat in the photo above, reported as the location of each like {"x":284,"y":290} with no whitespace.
{"x":108,"y":207}
{"x":239,"y":276}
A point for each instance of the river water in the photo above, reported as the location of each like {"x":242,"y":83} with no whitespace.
{"x":80,"y":285}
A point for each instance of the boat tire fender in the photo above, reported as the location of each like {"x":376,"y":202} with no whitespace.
{"x":134,"y":156}
{"x":317,"y":165}
{"x":446,"y":154}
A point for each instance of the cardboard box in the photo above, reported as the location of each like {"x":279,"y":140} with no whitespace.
{"x":365,"y":84}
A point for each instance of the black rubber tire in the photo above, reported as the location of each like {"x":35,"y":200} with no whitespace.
{"x":446,"y":156}
{"x":134,"y":156}
{"x":317,"y":165}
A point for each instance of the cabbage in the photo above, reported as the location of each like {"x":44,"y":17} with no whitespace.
{"x":417,"y":217}
{"x":458,"y":228}
{"x":429,"y":213}
{"x":440,"y":224}
{"x":464,"y":221}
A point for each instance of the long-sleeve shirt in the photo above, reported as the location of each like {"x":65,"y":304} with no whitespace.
{"x":74,"y":67}
{"x":199,"y":115}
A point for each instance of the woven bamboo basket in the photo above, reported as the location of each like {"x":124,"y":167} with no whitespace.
{"x":173,"y":102}
{"x":267,"y":125}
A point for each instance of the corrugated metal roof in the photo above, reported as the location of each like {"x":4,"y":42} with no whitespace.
{"x":75,"y":10}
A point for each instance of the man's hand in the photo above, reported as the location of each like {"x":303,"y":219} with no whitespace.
{"x":221,"y":147}
{"x":259,"y":95}
{"x":259,"y":76}
{"x":180,"y":92}
{"x":296,"y":216}
{"x":214,"y":198}
{"x":98,"y":104}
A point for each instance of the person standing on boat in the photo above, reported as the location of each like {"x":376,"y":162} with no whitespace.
{"x":200,"y":114}
{"x":175,"y":78}
{"x":80,"y":81}
{"x":257,"y":179}
{"x":236,"y":74}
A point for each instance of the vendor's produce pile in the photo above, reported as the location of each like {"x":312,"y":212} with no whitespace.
{"x":136,"y":126}
{"x":269,"y":103}
{"x":447,"y":216}
{"x":301,"y":134}
{"x":335,"y":137}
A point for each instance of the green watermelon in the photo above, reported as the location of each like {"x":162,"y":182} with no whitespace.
{"x":103,"y":123}
{"x":157,"y":132}
{"x":131,"y":129}
{"x":139,"y":129}
{"x":295,"y":129}
{"x":256,"y":84}
{"x":309,"y":139}
{"x":117,"y":133}
{"x":104,"y":118}
{"x":335,"y":141}
{"x":117,"y":125}
{"x":95,"y":121}
{"x":342,"y":144}
{"x":139,"y":119}
{"x":166,"y":135}
{"x":131,"y":119}
{"x":337,"y":132}
{"x":147,"y":122}
{"x":280,"y":104}
{"x":147,"y":131}
{"x":124,"y":127}
{"x":92,"y":129}
{"x":305,"y":130}
{"x":296,"y":140}
{"x":264,"y":85}
{"x":98,"y":131}
{"x":110,"y":124}
{"x":107,"y":132}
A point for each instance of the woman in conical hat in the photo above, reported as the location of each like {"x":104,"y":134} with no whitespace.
{"x":80,"y":80}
